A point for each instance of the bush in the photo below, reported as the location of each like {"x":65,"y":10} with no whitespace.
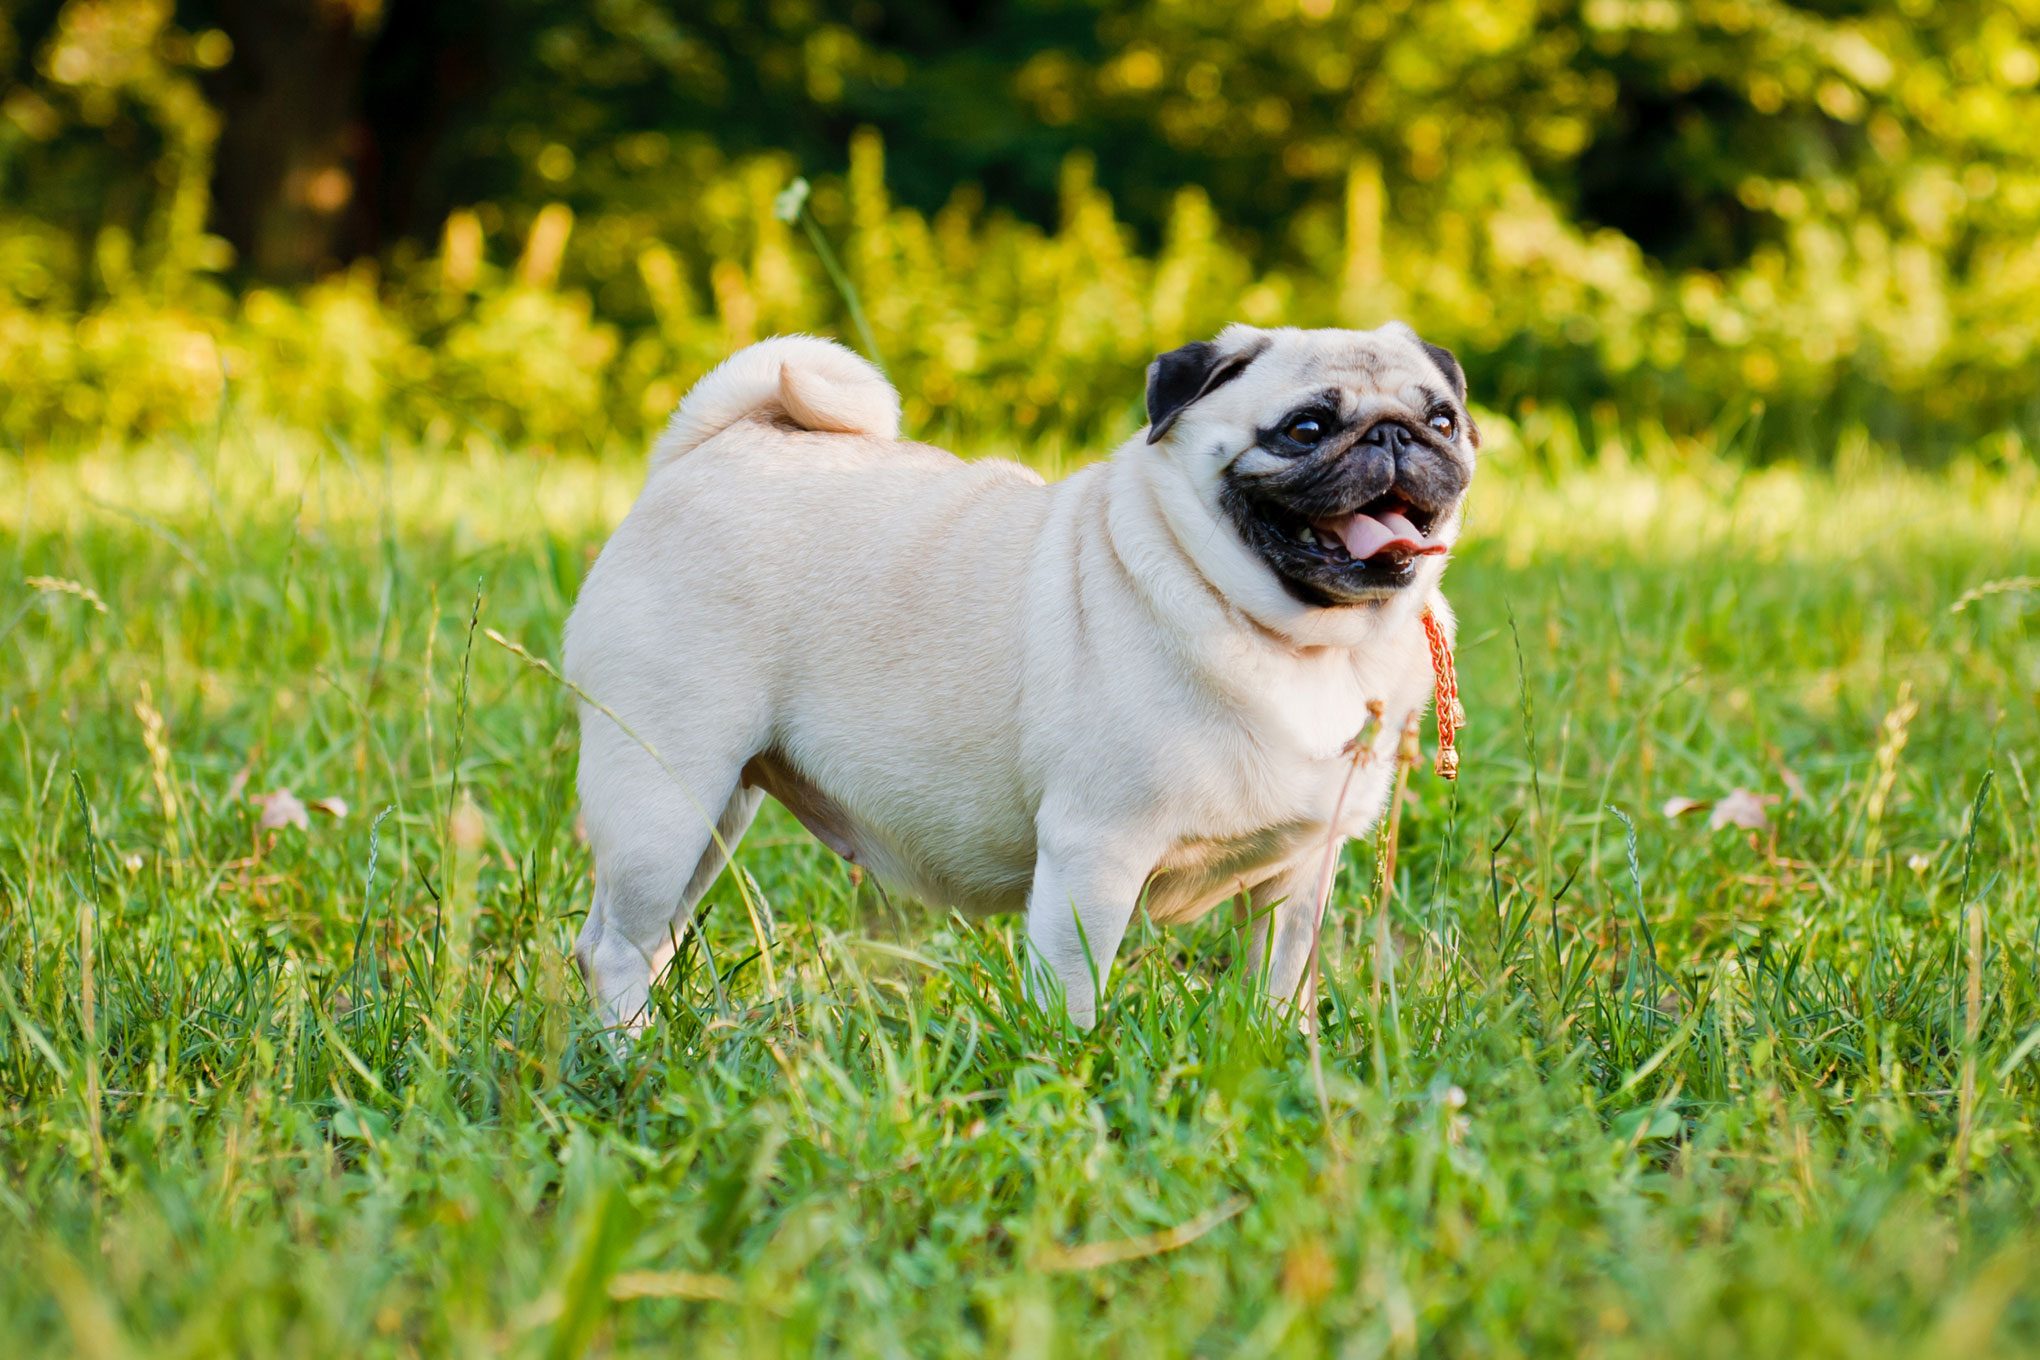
{"x":1676,"y":214}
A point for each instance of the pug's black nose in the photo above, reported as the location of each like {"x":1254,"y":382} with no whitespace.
{"x":1391,"y":436}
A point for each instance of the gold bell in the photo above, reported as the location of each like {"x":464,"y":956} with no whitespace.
{"x":1448,"y":763}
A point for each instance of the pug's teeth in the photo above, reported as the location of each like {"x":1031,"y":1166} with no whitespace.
{"x":1306,"y":535}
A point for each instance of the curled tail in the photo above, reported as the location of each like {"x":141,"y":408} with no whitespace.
{"x":815,"y":383}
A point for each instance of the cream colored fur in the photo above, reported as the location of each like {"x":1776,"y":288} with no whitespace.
{"x":998,"y":695}
{"x":817,"y":383}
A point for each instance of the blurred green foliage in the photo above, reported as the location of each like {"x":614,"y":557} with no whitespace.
{"x":536,"y":221}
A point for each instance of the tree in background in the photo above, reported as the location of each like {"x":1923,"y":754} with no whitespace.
{"x":1826,"y":198}
{"x":286,"y":183}
{"x":346,"y":125}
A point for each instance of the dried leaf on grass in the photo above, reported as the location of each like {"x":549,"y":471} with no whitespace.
{"x":1742,"y":808}
{"x":1739,"y":807}
{"x":281,"y":808}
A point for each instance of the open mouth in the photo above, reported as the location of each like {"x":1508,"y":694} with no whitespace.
{"x":1388,"y":529}
{"x":1347,"y":556}
{"x":1384,"y":537}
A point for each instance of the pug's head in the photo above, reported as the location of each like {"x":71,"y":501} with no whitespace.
{"x":1337,"y":460}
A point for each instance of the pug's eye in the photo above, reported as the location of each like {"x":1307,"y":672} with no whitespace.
{"x":1305,"y":430}
{"x":1443,"y":424}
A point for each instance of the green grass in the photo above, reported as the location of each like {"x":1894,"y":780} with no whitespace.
{"x":337,"y":1090}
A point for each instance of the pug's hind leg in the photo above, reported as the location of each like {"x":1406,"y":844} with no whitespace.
{"x":736,"y":819}
{"x":660,"y":839}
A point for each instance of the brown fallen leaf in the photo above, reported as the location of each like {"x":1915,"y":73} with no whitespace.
{"x":1679,"y":807}
{"x":1742,"y":808}
{"x":281,"y":808}
{"x":332,"y":806}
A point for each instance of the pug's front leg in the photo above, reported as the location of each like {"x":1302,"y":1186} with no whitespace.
{"x":1286,"y":924}
{"x":1083,"y":898}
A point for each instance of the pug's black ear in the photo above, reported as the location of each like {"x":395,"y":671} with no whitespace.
{"x":1183,"y":375}
{"x":1448,"y":364}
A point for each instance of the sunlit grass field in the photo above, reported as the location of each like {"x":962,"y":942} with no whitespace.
{"x":1601,"y":1080}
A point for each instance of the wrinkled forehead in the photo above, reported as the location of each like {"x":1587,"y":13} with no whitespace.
{"x":1365,"y":369}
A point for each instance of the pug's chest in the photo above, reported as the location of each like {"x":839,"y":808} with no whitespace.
{"x":1281,"y":826}
{"x":1257,"y":792}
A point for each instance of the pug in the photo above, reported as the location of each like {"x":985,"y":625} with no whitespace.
{"x":1138,"y":688}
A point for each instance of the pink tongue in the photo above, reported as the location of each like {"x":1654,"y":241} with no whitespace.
{"x":1401,"y":527}
{"x":1367,"y":535}
{"x":1364,"y":536}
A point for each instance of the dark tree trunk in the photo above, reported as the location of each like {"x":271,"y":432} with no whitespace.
{"x":291,"y":139}
{"x":432,"y":67}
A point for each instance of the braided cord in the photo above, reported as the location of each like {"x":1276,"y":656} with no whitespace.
{"x":1451,"y":713}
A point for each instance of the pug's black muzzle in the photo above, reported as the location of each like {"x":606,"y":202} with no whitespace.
{"x":1383,"y":468}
